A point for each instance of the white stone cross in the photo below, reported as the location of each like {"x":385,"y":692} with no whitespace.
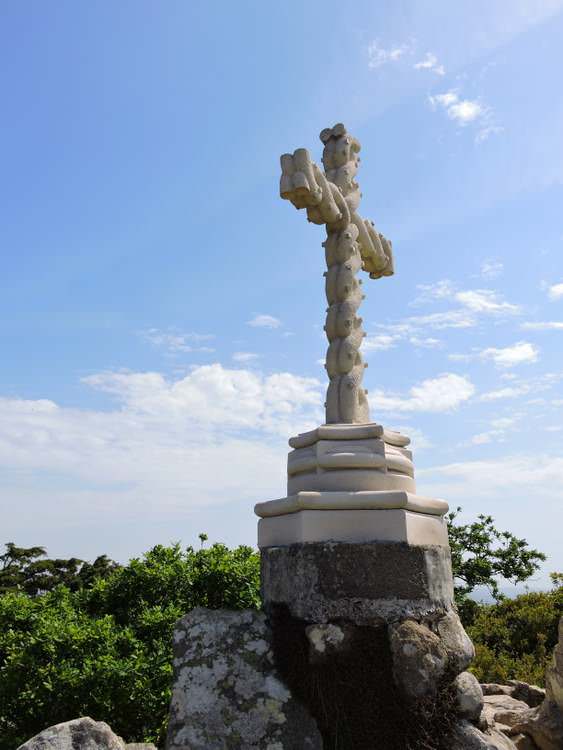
{"x":332,"y":198}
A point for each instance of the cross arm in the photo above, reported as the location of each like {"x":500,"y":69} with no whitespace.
{"x":332,"y":197}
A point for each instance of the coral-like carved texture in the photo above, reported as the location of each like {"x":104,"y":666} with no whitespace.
{"x":332,"y":198}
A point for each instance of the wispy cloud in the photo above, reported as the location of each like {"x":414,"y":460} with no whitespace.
{"x":426,"y":343}
{"x":264,"y":321}
{"x":521,"y":387}
{"x":379,"y":342}
{"x":473,"y":304}
{"x":523,"y":352}
{"x":430,"y":62}
{"x":164,"y":439}
{"x":555,"y":291}
{"x":543,"y":325}
{"x":379,"y":56}
{"x":245,"y":356}
{"x":487,"y":437}
{"x":464,"y":111}
{"x":541,"y":473}
{"x":174,"y":341}
{"x":485,"y":301}
{"x":507,"y":392}
{"x":442,"y":393}
{"x":520,"y":353}
{"x":491,"y":269}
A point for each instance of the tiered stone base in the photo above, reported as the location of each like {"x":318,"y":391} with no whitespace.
{"x":352,"y":517}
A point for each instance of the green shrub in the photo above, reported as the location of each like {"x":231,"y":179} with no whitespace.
{"x":514,"y":638}
{"x":105,"y":651}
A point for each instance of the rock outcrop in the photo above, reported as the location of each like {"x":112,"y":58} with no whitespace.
{"x":227,"y":694}
{"x":544,"y":724}
{"x":80,"y":734}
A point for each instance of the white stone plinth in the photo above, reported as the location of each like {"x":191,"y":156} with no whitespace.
{"x":366,"y":500}
{"x":368,"y":525}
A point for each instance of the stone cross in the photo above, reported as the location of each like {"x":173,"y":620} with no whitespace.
{"x":332,"y":198}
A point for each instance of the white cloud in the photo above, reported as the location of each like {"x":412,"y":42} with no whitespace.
{"x":430,"y":62}
{"x":491,"y":269}
{"x":245,"y":356}
{"x":379,"y":342}
{"x":520,"y":353}
{"x":175,"y":341}
{"x":379,"y":56}
{"x":546,"y":325}
{"x":473,"y":304}
{"x":503,"y":486}
{"x":442,"y":393}
{"x":501,"y":423}
{"x":264,"y":321}
{"x":539,"y":472}
{"x":167,"y":447}
{"x":462,"y":111}
{"x":487,"y":437}
{"x":426,"y":343}
{"x":444,"y":100}
{"x":467,"y":111}
{"x":485,"y":301}
{"x":214,"y":396}
{"x":555,"y":291}
{"x":486,"y":132}
{"x":498,"y":431}
{"x":507,"y":392}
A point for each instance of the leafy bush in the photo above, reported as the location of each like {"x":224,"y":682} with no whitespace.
{"x":514,"y":638}
{"x":105,"y":651}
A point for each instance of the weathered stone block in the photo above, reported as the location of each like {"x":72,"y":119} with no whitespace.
{"x":364,"y":583}
{"x":419,"y":660}
{"x":227,"y":694}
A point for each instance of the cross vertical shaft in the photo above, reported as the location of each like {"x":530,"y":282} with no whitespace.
{"x":332,"y":198}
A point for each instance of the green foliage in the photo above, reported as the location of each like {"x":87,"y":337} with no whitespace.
{"x":95,"y":639}
{"x":22,"y":570}
{"x":105,"y":650}
{"x":481,"y":555}
{"x":514,"y":638}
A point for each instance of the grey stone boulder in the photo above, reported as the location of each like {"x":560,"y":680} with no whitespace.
{"x":419,"y":659}
{"x":455,"y":640}
{"x":493,"y":688}
{"x":469,"y":696}
{"x":227,"y":694}
{"x":545,"y":724}
{"x":79,"y":734}
{"x":503,"y":709}
{"x":530,"y":694}
{"x":545,"y":727}
{"x":468,"y":737}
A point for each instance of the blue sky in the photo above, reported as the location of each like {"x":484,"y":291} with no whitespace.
{"x":162,"y":308}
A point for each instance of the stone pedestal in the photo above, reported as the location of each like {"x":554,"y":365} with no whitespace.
{"x":359,"y":645}
{"x":357,"y":587}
